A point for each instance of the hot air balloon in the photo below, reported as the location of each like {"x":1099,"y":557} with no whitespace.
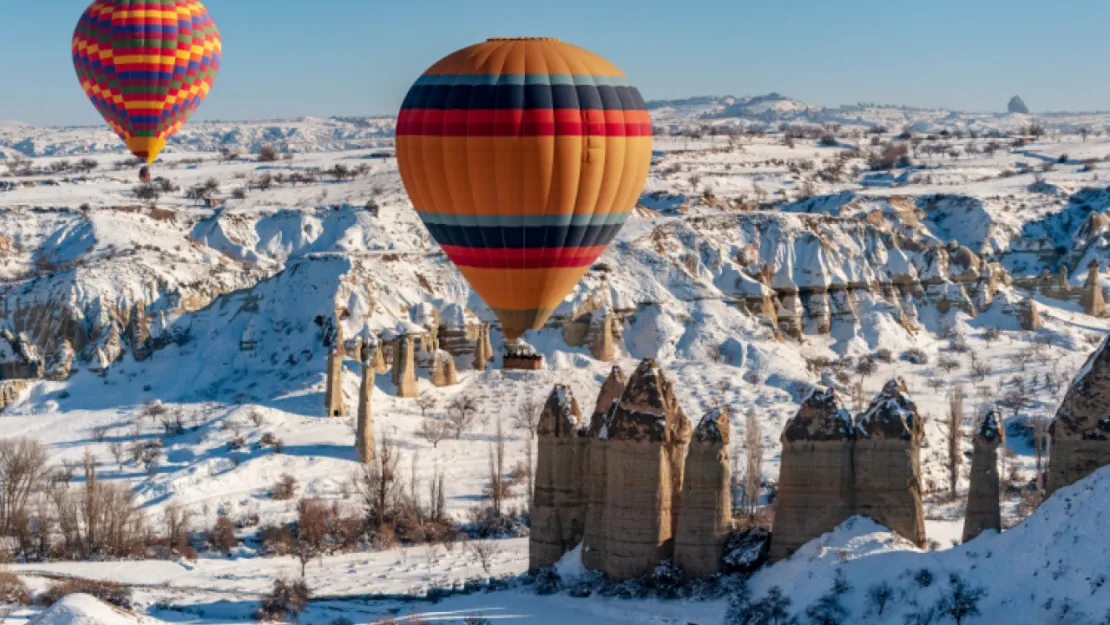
{"x":523,"y":157}
{"x":146,"y":65}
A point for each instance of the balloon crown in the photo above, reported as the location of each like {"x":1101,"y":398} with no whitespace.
{"x":522,"y":39}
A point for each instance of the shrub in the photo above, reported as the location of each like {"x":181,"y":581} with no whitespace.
{"x":285,"y":599}
{"x":961,"y":601}
{"x":268,"y":154}
{"x":108,"y":592}
{"x":222,"y":538}
{"x":746,"y":551}
{"x":286,"y":488}
{"x":879,"y":595}
{"x":13,"y":590}
{"x":923,"y":578}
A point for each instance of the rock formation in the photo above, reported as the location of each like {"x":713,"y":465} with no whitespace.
{"x":10,"y":390}
{"x":381,"y":365}
{"x":887,"y":463}
{"x":816,"y":479}
{"x":457,"y":328}
{"x":333,"y":393}
{"x":705,"y":516}
{"x":19,"y":358}
{"x":596,"y":468}
{"x":1081,"y":430}
{"x":443,"y":369}
{"x":1091,"y":298}
{"x":559,"y":502}
{"x":647,"y":436}
{"x":983,"y":511}
{"x":1017,"y":105}
{"x":138,"y":333}
{"x":602,"y":347}
{"x":1029,"y":318}
{"x":404,"y":368}
{"x":364,"y":425}
{"x":60,"y":363}
{"x":483,"y":351}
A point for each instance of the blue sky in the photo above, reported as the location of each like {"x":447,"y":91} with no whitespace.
{"x":357,"y":57}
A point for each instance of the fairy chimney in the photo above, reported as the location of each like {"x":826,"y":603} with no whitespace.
{"x":559,"y":502}
{"x":1091,"y":298}
{"x":888,"y":463}
{"x":816,"y":483}
{"x":596,"y":469}
{"x":705,"y":518}
{"x":364,"y":427}
{"x":647,"y":437}
{"x":380,"y":364}
{"x":1081,"y":430}
{"x":482,"y":349}
{"x":602,"y":346}
{"x":443,"y":369}
{"x":333,"y":389}
{"x":404,"y":369}
{"x":983,"y":511}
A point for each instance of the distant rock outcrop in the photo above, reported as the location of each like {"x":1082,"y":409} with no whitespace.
{"x":10,"y":390}
{"x":983,"y":512}
{"x":816,"y":482}
{"x":705,"y":516}
{"x":602,"y":346}
{"x":647,"y":436}
{"x":559,"y":502}
{"x":1017,"y":105}
{"x":1081,"y":430}
{"x":888,"y":463}
{"x":483,"y":351}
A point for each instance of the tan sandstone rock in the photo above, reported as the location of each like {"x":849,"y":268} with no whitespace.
{"x":983,"y":512}
{"x":816,"y":482}
{"x":596,"y":469}
{"x":1091,"y":298}
{"x":443,"y":369}
{"x":888,"y":463}
{"x":602,"y":347}
{"x":404,"y":367}
{"x":559,"y":503}
{"x":1081,"y":430}
{"x":705,"y":516}
{"x":647,"y":437}
{"x":364,"y":425}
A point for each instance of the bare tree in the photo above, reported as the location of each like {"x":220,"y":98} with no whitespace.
{"x":498,"y":485}
{"x":530,"y":471}
{"x":527,"y":416}
{"x":22,"y":468}
{"x":116,"y":449}
{"x":437,"y":497}
{"x":378,"y":483}
{"x":176,"y":519}
{"x":753,"y":475}
{"x":312,"y":531}
{"x":462,"y":415}
{"x":425,"y":402}
{"x":434,"y":430}
{"x":954,"y":436}
{"x":1040,"y":443}
{"x":483,"y":550}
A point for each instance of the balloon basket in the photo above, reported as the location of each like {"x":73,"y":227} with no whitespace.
{"x":523,"y":363}
{"x":520,"y":356}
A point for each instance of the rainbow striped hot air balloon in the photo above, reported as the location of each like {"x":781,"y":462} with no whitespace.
{"x":146,"y":65}
{"x":523,"y":157}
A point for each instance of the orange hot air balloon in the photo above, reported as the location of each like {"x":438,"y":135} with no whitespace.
{"x":523,"y":157}
{"x":146,"y":65}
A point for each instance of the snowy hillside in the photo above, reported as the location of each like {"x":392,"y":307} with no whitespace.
{"x":756,"y":266}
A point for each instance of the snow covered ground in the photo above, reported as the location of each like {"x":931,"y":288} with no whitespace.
{"x":716,"y":208}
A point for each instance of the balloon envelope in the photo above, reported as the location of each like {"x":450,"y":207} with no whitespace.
{"x":146,"y":65}
{"x":523,"y":157}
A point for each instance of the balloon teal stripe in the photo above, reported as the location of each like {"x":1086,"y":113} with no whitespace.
{"x":523,"y":221}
